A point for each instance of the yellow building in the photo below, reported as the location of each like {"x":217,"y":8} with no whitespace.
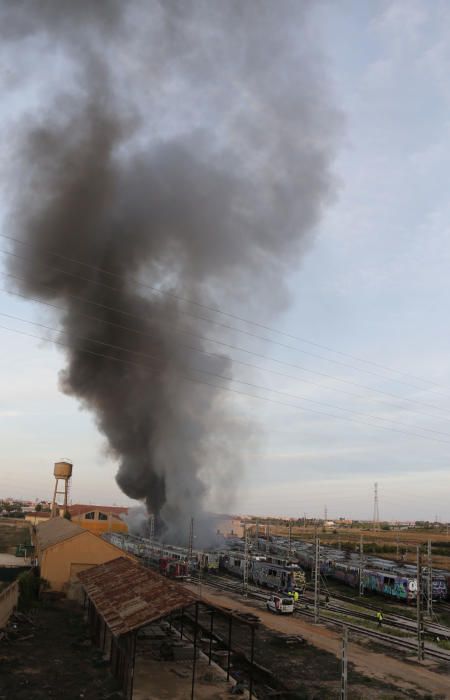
{"x":63,"y":549}
{"x":99,"y":519}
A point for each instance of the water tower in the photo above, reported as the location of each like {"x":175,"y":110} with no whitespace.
{"x":62,"y":472}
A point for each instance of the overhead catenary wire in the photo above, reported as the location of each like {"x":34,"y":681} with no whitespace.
{"x":227,"y":379}
{"x":218,"y":323}
{"x":228,"y":314}
{"x":234,"y":360}
{"x":229,"y":346}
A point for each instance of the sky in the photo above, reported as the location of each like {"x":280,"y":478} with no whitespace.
{"x":359,"y":376}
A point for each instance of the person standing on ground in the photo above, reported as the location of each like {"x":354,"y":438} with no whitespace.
{"x":379,"y":618}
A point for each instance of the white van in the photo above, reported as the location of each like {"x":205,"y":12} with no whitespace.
{"x":280,"y":604}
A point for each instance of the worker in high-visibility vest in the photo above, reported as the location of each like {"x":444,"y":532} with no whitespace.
{"x":296,"y":596}
{"x":379,"y":618}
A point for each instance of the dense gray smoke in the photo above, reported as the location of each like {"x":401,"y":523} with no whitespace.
{"x":181,"y":145}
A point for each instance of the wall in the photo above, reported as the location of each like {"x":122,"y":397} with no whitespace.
{"x":98,"y":527}
{"x":60,"y":561}
{"x":8,"y":601}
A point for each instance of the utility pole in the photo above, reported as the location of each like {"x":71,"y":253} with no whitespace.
{"x":191,"y":540}
{"x":420,"y":625}
{"x":245,"y":577}
{"x":339,"y":539}
{"x":361,"y":565}
{"x":257,"y":534}
{"x":267,"y":538}
{"x":152,"y":529}
{"x":290,"y":538}
{"x":376,"y":512}
{"x":398,"y":550}
{"x":317,"y":582}
{"x":344,"y":665}
{"x":429,"y":581}
{"x":325,"y":515}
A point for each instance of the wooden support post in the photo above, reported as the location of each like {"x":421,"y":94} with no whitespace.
{"x":252,"y":656}
{"x":230,"y":622}
{"x":133,"y":662}
{"x":344,"y":665}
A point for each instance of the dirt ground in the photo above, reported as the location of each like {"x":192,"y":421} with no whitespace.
{"x":53,"y":658}
{"x":170,"y":680}
{"x":409,"y":679}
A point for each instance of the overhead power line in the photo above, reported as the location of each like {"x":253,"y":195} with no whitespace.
{"x":230,"y":379}
{"x":228,"y":314}
{"x":180,"y":331}
{"x":234,"y":360}
{"x":223,"y":325}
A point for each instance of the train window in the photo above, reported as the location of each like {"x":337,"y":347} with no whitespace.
{"x":89,"y":516}
{"x":237,"y":562}
{"x":102,"y":516}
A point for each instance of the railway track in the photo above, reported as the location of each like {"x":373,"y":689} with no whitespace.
{"x":392,"y":619}
{"x":236,"y":587}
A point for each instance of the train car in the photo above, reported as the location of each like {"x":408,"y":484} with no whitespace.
{"x":443,"y":575}
{"x":390,"y":584}
{"x":439,"y":588}
{"x":284,"y":578}
{"x":233,"y":562}
{"x":209,"y":561}
{"x":382,"y":576}
{"x":265,"y":573}
{"x":173,"y":568}
{"x":347,"y":573}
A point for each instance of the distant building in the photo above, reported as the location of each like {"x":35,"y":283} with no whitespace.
{"x":37,"y":516}
{"x":99,"y":519}
{"x":229,"y":526}
{"x":63,"y":549}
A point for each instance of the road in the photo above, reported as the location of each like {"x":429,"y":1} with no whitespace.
{"x":406,"y":675}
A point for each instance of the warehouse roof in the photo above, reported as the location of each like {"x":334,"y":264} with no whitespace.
{"x":56,"y":530}
{"x":129,"y":596}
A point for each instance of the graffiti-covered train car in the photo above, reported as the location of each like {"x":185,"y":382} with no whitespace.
{"x":285,"y":577}
{"x":390,"y":584}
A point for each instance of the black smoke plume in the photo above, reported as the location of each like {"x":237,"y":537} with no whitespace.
{"x":175,"y":146}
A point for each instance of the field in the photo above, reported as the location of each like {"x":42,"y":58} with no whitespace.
{"x":392,"y":544}
{"x":12,"y":533}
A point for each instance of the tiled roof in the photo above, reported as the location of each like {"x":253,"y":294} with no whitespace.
{"x":56,"y":530}
{"x":129,"y":596}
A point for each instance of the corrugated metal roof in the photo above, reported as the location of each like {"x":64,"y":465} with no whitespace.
{"x":129,"y":596}
{"x":56,"y":530}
